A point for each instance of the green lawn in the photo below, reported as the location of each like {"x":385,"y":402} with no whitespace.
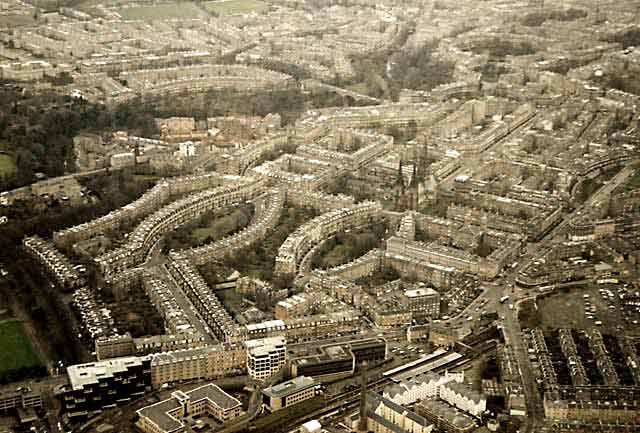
{"x":228,"y":7}
{"x":162,"y":11}
{"x":231,"y":299}
{"x":7,"y":165}
{"x":17,"y":350}
{"x":221,"y":226}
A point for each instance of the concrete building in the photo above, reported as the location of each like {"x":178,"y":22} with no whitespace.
{"x":169,"y":416}
{"x":424,"y":300}
{"x":338,"y":360}
{"x":19,"y":399}
{"x":288,"y":393}
{"x":105,"y":384}
{"x":265,"y":357}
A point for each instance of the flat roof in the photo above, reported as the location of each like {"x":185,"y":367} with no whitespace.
{"x":85,"y":374}
{"x":158,"y":413}
{"x":422,"y":291}
{"x":289,"y":387}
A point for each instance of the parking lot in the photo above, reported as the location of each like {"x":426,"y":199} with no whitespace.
{"x":613,"y":307}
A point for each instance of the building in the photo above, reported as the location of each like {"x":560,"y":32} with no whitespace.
{"x":371,"y":350}
{"x":105,"y":384}
{"x":168,"y":416}
{"x":464,"y":398}
{"x":288,"y":393}
{"x":442,"y":335}
{"x":331,"y":363}
{"x":385,"y":416}
{"x":265,"y":357}
{"x":20,"y":399}
{"x":56,"y":264}
{"x":170,"y":216}
{"x":307,"y":328}
{"x":339,"y":360}
{"x":421,"y":387}
{"x":312,"y":426}
{"x":425,"y":301}
{"x":293,"y":250}
{"x":446,"y":417}
{"x":294,"y":306}
{"x":205,"y":363}
{"x":114,"y":346}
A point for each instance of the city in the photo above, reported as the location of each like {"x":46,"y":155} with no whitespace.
{"x":319,"y":216}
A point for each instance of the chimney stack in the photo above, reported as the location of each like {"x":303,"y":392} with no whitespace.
{"x":362,"y":426}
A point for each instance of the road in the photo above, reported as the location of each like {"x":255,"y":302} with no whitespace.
{"x":469,"y":163}
{"x":595,"y":198}
{"x":243,"y":421}
{"x":505,"y":287}
{"x":185,"y":304}
{"x":509,"y":317}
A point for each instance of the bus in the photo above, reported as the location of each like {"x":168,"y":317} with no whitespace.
{"x":608,"y":281}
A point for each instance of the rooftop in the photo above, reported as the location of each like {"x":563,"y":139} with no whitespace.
{"x":90,"y":373}
{"x":289,"y":387}
{"x":416,"y":293}
{"x":160,"y":413}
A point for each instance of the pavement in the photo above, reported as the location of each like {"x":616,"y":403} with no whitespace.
{"x":505,"y":286}
{"x":185,"y":305}
{"x":509,"y":317}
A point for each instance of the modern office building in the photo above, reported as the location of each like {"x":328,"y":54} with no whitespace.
{"x":265,"y":357}
{"x":168,"y":416}
{"x":423,"y":300}
{"x":288,"y":393}
{"x":105,"y":384}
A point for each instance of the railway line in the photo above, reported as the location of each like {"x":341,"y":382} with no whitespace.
{"x":342,"y":403}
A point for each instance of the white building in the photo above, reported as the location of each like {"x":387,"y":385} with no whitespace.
{"x":265,"y":357}
{"x":187,"y":149}
{"x":424,"y":386}
{"x":464,"y":398}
